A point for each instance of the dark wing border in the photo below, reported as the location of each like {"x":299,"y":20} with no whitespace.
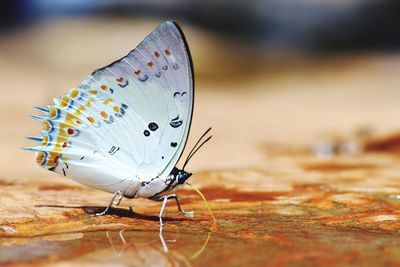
{"x":189,"y":55}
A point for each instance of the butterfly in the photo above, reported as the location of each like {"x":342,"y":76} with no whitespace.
{"x":124,"y":128}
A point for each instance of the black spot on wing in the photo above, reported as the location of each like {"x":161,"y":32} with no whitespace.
{"x":176,"y":122}
{"x":110,"y":120}
{"x":52,"y":169}
{"x":144,"y":78}
{"x":123,"y":85}
{"x":178,"y":93}
{"x":153,"y":126}
{"x":113,"y":150}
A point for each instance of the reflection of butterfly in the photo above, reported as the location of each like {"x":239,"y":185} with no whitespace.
{"x":124,"y":128}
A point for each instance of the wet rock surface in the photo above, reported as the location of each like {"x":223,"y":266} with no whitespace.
{"x":283,"y":192}
{"x":318,"y":212}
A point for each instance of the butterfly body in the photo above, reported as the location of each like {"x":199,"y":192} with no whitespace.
{"x":124,"y":128}
{"x":156,"y":186}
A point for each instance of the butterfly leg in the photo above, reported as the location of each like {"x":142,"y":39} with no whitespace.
{"x":119,"y":200}
{"x":111,"y":203}
{"x":178,"y":203}
{"x":164,"y":199}
{"x":164,"y":204}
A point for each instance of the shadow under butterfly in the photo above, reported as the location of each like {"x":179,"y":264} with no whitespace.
{"x":124,"y":128}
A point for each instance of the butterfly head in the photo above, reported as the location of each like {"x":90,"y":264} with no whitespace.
{"x":182,"y":176}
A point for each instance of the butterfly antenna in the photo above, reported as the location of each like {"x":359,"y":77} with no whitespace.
{"x":198,"y":141}
{"x":196,"y":147}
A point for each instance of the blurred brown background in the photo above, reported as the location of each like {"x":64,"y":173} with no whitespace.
{"x":268,"y":73}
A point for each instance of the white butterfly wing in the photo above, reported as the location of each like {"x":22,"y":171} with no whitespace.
{"x":127,"y":122}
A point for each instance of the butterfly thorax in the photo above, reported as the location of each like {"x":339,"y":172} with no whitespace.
{"x":157,"y":186}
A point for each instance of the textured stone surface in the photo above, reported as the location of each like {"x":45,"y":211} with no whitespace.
{"x":278,"y":196}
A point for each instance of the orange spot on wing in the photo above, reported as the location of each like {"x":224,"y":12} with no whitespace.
{"x":108,"y":100}
{"x":104,"y":114}
{"x":52,"y":159}
{"x":150,"y":64}
{"x":45,"y":140}
{"x":167,"y":52}
{"x":52,"y":113}
{"x":157,"y":54}
{"x":116,"y":108}
{"x":137,"y":72}
{"x":64,"y":102}
{"x":91,"y":119}
{"x":120,"y":79}
{"x":40,"y":156}
{"x":74,"y":93}
{"x":46,"y":126}
{"x":94,"y":92}
{"x":103,"y":87}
